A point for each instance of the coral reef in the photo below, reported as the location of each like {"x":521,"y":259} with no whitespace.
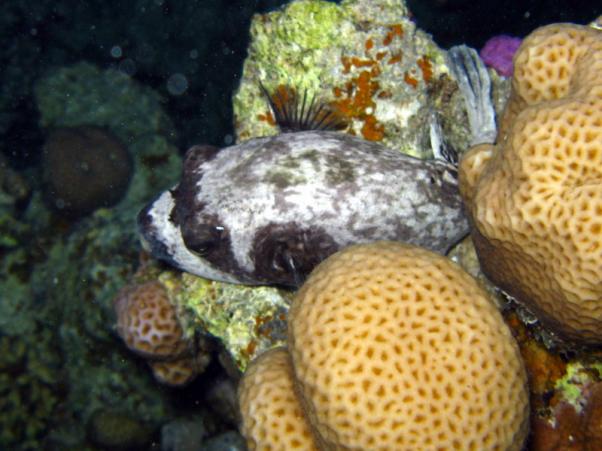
{"x":387,"y":342}
{"x":535,"y":196}
{"x":76,"y":275}
{"x":14,"y":192}
{"x":61,"y":284}
{"x":30,"y":388}
{"x":68,"y":381}
{"x":572,"y":418}
{"x":367,"y":59}
{"x":77,"y":278}
{"x":64,"y":370}
{"x":85,"y":95}
{"x":246,"y":320}
{"x":559,"y":373}
{"x":84,"y":168}
{"x":148,"y":324}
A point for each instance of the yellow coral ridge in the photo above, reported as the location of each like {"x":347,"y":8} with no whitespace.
{"x":395,"y":347}
{"x":272,"y":416}
{"x":536,"y":196}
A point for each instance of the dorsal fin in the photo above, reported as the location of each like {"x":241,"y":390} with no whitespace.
{"x":293,"y":113}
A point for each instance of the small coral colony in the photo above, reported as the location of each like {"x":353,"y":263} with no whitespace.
{"x":390,"y":344}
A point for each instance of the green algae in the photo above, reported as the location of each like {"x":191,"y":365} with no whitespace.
{"x":366,"y":59}
{"x":246,"y":320}
{"x":310,"y":24}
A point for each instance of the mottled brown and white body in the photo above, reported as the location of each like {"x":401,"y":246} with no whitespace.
{"x":268,"y":210}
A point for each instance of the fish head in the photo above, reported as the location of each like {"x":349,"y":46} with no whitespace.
{"x":160,"y":235}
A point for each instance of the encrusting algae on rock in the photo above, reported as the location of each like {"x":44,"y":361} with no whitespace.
{"x":246,"y":320}
{"x":366,"y":59}
{"x":184,"y":314}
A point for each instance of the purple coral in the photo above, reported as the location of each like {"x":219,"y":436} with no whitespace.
{"x":498,"y":53}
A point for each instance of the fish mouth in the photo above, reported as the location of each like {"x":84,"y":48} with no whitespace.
{"x":149,"y":231}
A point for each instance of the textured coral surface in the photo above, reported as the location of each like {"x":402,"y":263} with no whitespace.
{"x":536,"y":196}
{"x":148,"y":324}
{"x":395,"y":347}
{"x":147,"y":321}
{"x":272,"y":415}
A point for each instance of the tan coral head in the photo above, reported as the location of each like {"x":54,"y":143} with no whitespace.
{"x":392,"y":347}
{"x":535,"y":197}
{"x":272,"y":418}
{"x":148,"y":324}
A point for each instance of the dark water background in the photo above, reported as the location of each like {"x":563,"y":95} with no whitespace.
{"x":203,"y":40}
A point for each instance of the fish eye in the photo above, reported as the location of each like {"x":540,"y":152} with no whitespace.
{"x":204,"y":241}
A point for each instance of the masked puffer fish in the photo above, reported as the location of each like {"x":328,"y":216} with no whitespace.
{"x":268,"y":210}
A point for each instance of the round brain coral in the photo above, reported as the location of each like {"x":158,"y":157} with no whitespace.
{"x":177,"y":372}
{"x":535,"y":198}
{"x":395,"y":347}
{"x":84,"y":168}
{"x":147,"y":322}
{"x":272,"y":417}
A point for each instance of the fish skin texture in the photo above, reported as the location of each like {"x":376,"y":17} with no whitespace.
{"x":268,"y":210}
